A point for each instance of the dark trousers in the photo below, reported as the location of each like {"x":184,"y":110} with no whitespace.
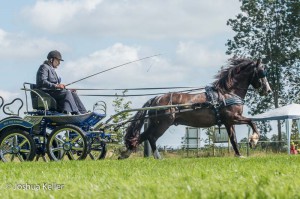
{"x":67,"y":101}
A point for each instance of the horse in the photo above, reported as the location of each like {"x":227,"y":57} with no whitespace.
{"x":221,"y":103}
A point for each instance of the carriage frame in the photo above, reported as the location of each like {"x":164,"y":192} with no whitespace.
{"x":44,"y":132}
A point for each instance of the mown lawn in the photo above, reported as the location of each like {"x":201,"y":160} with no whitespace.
{"x":254,"y":177}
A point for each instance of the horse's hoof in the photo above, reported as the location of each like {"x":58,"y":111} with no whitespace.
{"x":122,"y":157}
{"x":240,"y":156}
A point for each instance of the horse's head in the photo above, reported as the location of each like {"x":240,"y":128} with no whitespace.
{"x":241,"y":73}
{"x":253,"y":139}
{"x":259,"y":79}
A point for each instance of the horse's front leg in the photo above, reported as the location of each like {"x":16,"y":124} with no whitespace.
{"x":253,"y":139}
{"x":233,"y":141}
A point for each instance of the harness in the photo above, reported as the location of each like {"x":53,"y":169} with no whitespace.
{"x":217,"y":102}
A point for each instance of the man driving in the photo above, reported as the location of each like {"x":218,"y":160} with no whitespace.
{"x":48,"y":81}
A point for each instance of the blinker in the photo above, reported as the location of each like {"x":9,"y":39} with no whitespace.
{"x":262,"y":74}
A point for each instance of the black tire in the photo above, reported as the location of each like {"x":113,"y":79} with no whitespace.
{"x":16,"y":145}
{"x":98,"y":150}
{"x":68,"y":140}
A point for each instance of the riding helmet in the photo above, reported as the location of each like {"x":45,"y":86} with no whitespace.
{"x":54,"y":54}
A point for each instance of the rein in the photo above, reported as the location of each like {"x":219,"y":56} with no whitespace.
{"x":130,"y":89}
{"x":143,"y":94}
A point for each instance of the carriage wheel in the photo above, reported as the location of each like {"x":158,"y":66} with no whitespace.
{"x":16,"y":145}
{"x":67,"y":140}
{"x":98,"y":150}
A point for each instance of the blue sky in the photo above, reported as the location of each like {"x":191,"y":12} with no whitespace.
{"x":94,"y":35}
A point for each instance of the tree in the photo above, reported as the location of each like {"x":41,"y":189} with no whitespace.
{"x":295,"y":132}
{"x":270,"y":29}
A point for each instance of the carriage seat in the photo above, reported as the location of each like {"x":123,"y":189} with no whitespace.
{"x":37,"y":102}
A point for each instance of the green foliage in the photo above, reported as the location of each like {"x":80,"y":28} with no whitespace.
{"x":295,"y":132}
{"x":255,"y":177}
{"x":210,"y":134}
{"x":119,"y":105}
{"x":270,"y":29}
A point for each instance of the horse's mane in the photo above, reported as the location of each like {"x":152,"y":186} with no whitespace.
{"x":224,"y":79}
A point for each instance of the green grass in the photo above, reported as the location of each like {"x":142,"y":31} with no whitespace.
{"x":254,"y":177}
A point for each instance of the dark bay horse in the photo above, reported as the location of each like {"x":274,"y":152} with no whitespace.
{"x":222,"y":103}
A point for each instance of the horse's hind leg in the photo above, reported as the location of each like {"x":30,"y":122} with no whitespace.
{"x":125,"y":154}
{"x":147,"y":135}
{"x":233,"y":141}
{"x":154,"y":131}
{"x":156,"y":154}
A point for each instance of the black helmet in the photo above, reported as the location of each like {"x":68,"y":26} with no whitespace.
{"x":54,"y":54}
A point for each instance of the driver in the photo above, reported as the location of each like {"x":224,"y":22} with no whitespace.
{"x":48,"y":81}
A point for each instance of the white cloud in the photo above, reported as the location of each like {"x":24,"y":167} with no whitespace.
{"x":20,"y":46}
{"x":201,"y":62}
{"x":53,"y":16}
{"x":194,"y":65}
{"x":134,"y":18}
{"x":99,"y":61}
{"x":7,"y":95}
{"x":149,"y":72}
{"x":196,"y":54}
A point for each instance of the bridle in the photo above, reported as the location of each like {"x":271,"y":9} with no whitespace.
{"x":261,"y":74}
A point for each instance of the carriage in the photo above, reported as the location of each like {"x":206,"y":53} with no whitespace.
{"x":44,"y":131}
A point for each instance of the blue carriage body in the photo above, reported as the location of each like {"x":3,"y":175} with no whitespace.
{"x":66,"y":133}
{"x":13,"y":122}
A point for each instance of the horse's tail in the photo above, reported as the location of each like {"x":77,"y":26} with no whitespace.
{"x":134,"y":129}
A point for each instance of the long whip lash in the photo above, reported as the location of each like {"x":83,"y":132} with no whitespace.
{"x":112,"y":68}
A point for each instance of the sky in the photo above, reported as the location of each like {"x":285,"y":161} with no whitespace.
{"x":94,"y":35}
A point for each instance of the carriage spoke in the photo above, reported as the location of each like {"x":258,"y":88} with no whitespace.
{"x":71,"y":155}
{"x":12,"y":157}
{"x":15,"y":141}
{"x":57,"y":149}
{"x":59,"y":140}
{"x":20,"y":157}
{"x":60,"y":153}
{"x":9,"y":142}
{"x":24,"y":151}
{"x":4,"y":152}
{"x":22,"y":143}
{"x":64,"y":153}
{"x":75,"y":139}
{"x":67,"y":136}
{"x":77,"y":148}
{"x":92,"y":156}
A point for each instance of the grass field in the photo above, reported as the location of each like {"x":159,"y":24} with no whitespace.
{"x":254,"y":177}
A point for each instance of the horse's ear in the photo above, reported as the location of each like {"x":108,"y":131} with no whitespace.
{"x":258,"y":62}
